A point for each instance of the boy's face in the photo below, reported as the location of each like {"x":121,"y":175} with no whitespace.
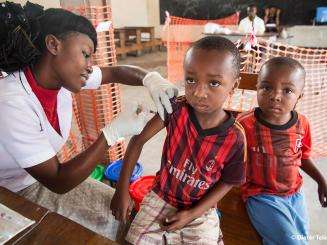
{"x":279,"y":89}
{"x":209,"y":79}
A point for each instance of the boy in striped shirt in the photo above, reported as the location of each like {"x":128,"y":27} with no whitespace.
{"x":203,"y":155}
{"x":279,"y":144}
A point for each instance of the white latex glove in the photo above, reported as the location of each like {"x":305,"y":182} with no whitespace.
{"x":161,"y":91}
{"x":129,"y":122}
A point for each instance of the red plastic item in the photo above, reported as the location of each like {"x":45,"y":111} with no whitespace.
{"x":139,"y":188}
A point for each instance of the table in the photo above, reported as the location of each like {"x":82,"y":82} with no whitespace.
{"x":130,"y":40}
{"x":237,"y":36}
{"x":234,"y":37}
{"x":50,"y":227}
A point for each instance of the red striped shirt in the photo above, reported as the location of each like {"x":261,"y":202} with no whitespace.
{"x":274,"y":154}
{"x":193,"y":159}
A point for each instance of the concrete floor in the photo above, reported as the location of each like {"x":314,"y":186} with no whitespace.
{"x":151,"y":154}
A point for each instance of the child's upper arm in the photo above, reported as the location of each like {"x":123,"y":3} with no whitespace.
{"x":156,"y":123}
{"x":151,"y":128}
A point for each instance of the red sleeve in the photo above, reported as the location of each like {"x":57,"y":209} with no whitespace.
{"x":234,"y":172}
{"x":306,"y":142}
{"x":176,"y":104}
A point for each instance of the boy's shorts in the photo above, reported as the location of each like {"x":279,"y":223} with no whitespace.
{"x":145,"y":228}
{"x":279,"y":219}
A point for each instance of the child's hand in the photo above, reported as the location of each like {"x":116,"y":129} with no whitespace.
{"x":177,"y":220}
{"x":121,"y":205}
{"x":322,"y":192}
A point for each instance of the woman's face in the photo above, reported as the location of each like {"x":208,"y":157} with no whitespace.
{"x":72,"y":63}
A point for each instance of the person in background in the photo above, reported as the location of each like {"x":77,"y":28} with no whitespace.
{"x":272,"y":19}
{"x":47,"y":57}
{"x":252,"y":23}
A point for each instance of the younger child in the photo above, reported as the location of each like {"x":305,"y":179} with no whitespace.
{"x":279,"y":145}
{"x":203,"y":156}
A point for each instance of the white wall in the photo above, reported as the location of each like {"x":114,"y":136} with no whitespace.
{"x":124,"y":12}
{"x":136,"y":13}
{"x":129,"y":13}
{"x":45,"y":3}
{"x":153,"y":9}
{"x":308,"y":36}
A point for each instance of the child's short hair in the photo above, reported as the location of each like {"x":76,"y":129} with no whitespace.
{"x":220,"y":44}
{"x":284,"y":61}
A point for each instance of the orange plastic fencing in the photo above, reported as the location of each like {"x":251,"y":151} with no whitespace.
{"x":179,"y":33}
{"x":229,"y":20}
{"x":93,"y":109}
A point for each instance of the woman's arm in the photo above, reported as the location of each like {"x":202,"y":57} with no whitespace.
{"x":125,"y":74}
{"x":61,"y":178}
{"x":278,"y":17}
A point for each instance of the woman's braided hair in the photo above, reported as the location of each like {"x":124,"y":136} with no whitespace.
{"x":18,"y":31}
{"x":23,"y":31}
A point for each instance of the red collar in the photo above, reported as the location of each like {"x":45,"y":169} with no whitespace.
{"x":37,"y":89}
{"x":47,"y":98}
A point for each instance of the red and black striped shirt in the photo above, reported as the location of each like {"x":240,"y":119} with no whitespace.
{"x":194,"y":159}
{"x":274,"y":154}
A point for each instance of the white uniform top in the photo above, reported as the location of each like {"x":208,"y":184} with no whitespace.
{"x":245,"y":25}
{"x":26,"y":136}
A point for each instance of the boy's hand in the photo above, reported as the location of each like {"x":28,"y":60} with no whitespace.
{"x":322,"y":192}
{"x":121,"y":205}
{"x":177,"y":220}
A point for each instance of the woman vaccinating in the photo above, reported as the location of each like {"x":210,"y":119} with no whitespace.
{"x":46,"y":55}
